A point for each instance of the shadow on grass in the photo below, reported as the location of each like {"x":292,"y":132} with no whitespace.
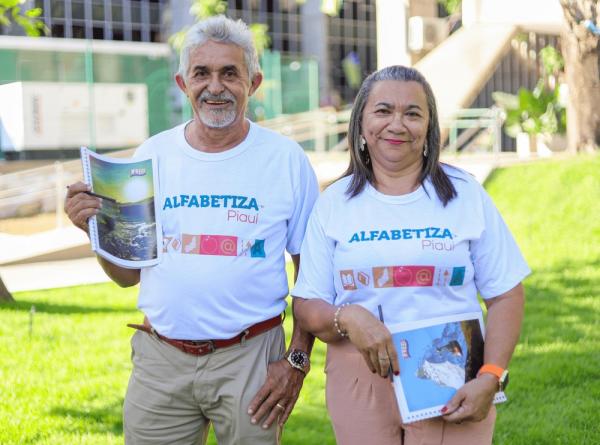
{"x":67,"y":309}
{"x":302,"y":428}
{"x":552,"y":400}
{"x":102,"y":420}
{"x":559,"y":302}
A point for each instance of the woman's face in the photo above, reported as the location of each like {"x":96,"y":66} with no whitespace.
{"x":394,"y":124}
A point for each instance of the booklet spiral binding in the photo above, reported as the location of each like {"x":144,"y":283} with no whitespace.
{"x":436,"y":357}
{"x":87,"y":178}
{"x":431,"y":413}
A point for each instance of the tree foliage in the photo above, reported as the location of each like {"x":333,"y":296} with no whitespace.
{"x":203,"y":9}
{"x":541,"y":111}
{"x":451,"y":6}
{"x":11,"y":11}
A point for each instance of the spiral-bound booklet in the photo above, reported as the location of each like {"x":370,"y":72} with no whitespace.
{"x":437,"y":356}
{"x":126,"y":231}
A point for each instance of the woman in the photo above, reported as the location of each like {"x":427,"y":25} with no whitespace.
{"x":396,"y":205}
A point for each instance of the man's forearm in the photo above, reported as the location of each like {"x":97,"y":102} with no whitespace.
{"x":122,"y":276}
{"x":301,"y":339}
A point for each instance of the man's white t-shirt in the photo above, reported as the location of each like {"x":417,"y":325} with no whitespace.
{"x":227,"y":219}
{"x":409,"y":253}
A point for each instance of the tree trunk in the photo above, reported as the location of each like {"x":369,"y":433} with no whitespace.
{"x":580,"y":47}
{"x":4,"y":293}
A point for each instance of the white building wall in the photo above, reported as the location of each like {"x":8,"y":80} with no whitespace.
{"x":392,"y":21}
{"x":544,"y":16}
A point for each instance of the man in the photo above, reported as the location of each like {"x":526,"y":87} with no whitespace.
{"x":234,"y":196}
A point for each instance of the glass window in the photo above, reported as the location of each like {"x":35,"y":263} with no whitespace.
{"x":107,"y":68}
{"x":98,"y":33}
{"x":70,"y":67}
{"x":57,"y":9}
{"x":78,"y":32}
{"x":77,"y":10}
{"x":154,"y":13}
{"x":117,"y":13}
{"x":118,"y":34}
{"x":136,"y":13}
{"x":58,"y":30}
{"x":155,"y":36}
{"x":98,"y":12}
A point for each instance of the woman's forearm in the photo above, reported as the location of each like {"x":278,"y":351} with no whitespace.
{"x":505,"y":314}
{"x":316,"y":316}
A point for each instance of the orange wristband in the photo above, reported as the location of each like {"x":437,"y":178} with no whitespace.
{"x":491,"y":369}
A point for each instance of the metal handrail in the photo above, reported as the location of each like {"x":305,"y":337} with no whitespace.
{"x":36,"y":189}
{"x":474,"y":120}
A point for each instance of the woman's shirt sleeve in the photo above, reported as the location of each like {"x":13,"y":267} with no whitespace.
{"x":497,"y":260}
{"x":315,"y":279}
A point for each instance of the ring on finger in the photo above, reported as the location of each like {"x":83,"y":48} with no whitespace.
{"x":279,"y":405}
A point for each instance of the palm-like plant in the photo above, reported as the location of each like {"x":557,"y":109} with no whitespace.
{"x":541,"y":111}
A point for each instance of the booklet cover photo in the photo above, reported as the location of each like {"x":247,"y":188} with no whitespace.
{"x":125,"y":231}
{"x":437,"y":357}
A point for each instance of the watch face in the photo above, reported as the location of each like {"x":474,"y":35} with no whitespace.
{"x":299,"y":358}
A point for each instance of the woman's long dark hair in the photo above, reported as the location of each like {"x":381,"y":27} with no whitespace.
{"x":362,"y":170}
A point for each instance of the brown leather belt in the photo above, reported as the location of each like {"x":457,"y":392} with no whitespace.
{"x":202,"y":347}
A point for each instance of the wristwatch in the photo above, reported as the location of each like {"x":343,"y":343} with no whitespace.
{"x":500,"y":373}
{"x":299,"y":360}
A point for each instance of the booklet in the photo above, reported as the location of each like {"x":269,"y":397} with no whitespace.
{"x":436,"y":356}
{"x":126,"y":231}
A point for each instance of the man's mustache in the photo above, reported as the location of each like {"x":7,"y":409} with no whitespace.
{"x":217,"y":97}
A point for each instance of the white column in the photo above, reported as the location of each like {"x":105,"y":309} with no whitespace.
{"x":392,"y":20}
{"x":314,"y":42}
{"x":470,"y":12}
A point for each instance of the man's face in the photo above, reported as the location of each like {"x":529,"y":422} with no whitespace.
{"x":217,"y":84}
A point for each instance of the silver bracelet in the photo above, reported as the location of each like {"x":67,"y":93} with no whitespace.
{"x":336,"y":321}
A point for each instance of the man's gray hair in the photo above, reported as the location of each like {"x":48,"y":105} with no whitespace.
{"x":223,"y":30}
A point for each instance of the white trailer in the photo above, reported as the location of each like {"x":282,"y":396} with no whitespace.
{"x":56,"y":116}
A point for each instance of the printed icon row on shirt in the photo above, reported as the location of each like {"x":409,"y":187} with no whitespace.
{"x":220,"y":245}
{"x":402,"y":276}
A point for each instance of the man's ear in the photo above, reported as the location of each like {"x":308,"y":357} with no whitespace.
{"x":181,"y":83}
{"x":256,"y":81}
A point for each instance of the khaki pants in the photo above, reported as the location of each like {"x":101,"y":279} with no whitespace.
{"x":363,"y":409}
{"x":173,"y":397}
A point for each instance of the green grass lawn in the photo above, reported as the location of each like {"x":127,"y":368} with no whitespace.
{"x":63,"y":381}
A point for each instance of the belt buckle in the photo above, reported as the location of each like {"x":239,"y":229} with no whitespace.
{"x":243,"y":339}
{"x":211,"y":345}
{"x":200,"y":343}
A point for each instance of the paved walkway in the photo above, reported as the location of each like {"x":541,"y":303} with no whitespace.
{"x":52,"y":274}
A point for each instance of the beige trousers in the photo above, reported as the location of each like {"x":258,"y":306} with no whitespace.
{"x":173,"y":397}
{"x":363,"y":409}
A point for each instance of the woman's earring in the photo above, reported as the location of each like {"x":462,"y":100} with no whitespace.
{"x":425,"y":150}
{"x":362,"y":143}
